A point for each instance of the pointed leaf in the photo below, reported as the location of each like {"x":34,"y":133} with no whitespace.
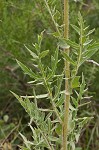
{"x":87,"y":55}
{"x":62,"y":44}
{"x":73,"y":44}
{"x":90,"y":32}
{"x":68,"y":58}
{"x":76,"y":28}
{"x":43,"y":54}
{"x":32,"y":53}
{"x":27,"y":71}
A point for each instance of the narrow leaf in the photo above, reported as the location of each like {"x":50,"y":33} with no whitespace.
{"x":32,"y":53}
{"x":43,"y":54}
{"x":76,"y":28}
{"x":72,"y":44}
{"x":90,"y":32}
{"x":87,"y":55}
{"x":26,"y":70}
{"x":62,"y":44}
{"x":68,"y":58}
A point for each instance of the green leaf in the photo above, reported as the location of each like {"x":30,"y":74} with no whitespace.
{"x":56,"y":34}
{"x":68,"y":58}
{"x":75,"y":82}
{"x":87,"y":55}
{"x":73,"y":44}
{"x":82,"y":87}
{"x":94,"y":46}
{"x":60,"y":101}
{"x":27,"y":71}
{"x":74,"y":101}
{"x":71,"y":107}
{"x":43,"y":54}
{"x":32,"y":53}
{"x":76,"y":28}
{"x":54,"y":62}
{"x":17,"y":97}
{"x":58,"y":87}
{"x":62,"y":44}
{"x":23,"y":148}
{"x":26,"y":142}
{"x":80,"y":19}
{"x":58,"y":129}
{"x":90,"y":32}
{"x":37,"y":47}
{"x":87,"y":42}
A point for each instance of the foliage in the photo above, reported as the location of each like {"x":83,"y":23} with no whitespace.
{"x":20,"y":22}
{"x":47,"y":132}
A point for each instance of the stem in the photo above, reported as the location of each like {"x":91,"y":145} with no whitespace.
{"x":50,"y":93}
{"x":67,"y":76}
{"x":46,"y":139}
{"x":49,"y":10}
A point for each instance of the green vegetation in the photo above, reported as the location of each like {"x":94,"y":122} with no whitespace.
{"x":34,"y":33}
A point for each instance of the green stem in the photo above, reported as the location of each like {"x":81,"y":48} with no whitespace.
{"x":67,"y":76}
{"x":46,"y":139}
{"x":50,"y":93}
{"x":49,"y":10}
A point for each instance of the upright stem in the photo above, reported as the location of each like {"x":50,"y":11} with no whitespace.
{"x":67,"y":76}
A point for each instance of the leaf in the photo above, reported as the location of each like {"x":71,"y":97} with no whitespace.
{"x":82,"y":86}
{"x":52,"y":138}
{"x":71,"y":124}
{"x":62,"y":44}
{"x":43,"y":54}
{"x":27,"y":71}
{"x":87,"y":55}
{"x":32,"y":53}
{"x":76,"y":28}
{"x":17,"y":97}
{"x":58,"y":87}
{"x":60,"y":101}
{"x":56,"y":34}
{"x":94,"y":46}
{"x":26,"y":142}
{"x":58,"y":129}
{"x":40,"y":38}
{"x":54,"y":62}
{"x":75,"y":82}
{"x":37,"y":96}
{"x":73,"y":44}
{"x":68,"y":58}
{"x":71,"y":107}
{"x":37,"y":48}
{"x":87,"y":42}
{"x":74,"y":101}
{"x":90,"y":32}
{"x":23,"y":148}
{"x":80,"y":19}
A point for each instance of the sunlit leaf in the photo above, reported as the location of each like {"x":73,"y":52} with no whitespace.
{"x":68,"y":58}
{"x":75,"y":82}
{"x":43,"y":54}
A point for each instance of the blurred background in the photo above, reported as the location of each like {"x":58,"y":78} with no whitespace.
{"x":20,"y":22}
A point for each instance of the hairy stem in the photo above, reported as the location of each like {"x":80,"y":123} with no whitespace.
{"x":67,"y":76}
